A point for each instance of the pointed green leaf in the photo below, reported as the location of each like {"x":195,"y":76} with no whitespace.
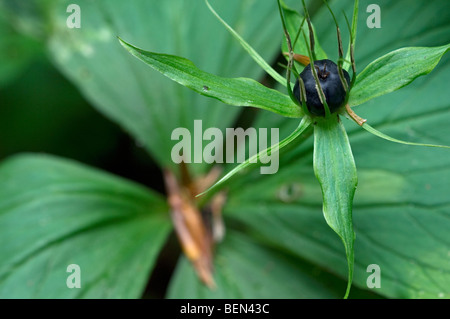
{"x":394,"y":71}
{"x":304,"y":124}
{"x":335,"y":169}
{"x":233,"y":91}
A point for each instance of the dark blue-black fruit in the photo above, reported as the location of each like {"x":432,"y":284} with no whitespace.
{"x":328,"y":74}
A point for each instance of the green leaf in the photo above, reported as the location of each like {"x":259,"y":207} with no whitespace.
{"x":54,"y":213}
{"x":236,"y":91}
{"x":267,"y":274}
{"x":394,"y":71}
{"x":335,"y":169}
{"x":302,"y":127}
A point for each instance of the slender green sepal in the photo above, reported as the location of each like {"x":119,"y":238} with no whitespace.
{"x":351,"y":45}
{"x":291,"y":54}
{"x":375,"y":132}
{"x":311,"y":32}
{"x":335,"y":169}
{"x":303,"y":96}
{"x":352,"y":52}
{"x":253,"y":160}
{"x":255,"y":56}
{"x":299,"y":31}
{"x":352,"y":62}
{"x":316,"y":79}
{"x":338,"y":31}
{"x":340,"y":50}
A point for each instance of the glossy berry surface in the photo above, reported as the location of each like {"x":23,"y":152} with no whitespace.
{"x":327,"y":72}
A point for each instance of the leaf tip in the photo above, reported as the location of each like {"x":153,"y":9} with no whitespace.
{"x":123,"y":42}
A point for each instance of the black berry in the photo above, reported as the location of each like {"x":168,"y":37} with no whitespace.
{"x":327,"y":72}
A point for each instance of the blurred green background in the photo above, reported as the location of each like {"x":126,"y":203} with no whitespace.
{"x":41,"y":111}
